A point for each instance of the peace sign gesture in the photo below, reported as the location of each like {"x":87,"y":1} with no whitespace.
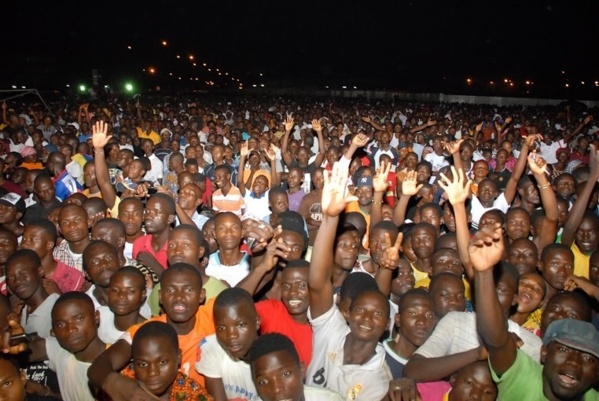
{"x":389,"y":257}
{"x":333,"y":193}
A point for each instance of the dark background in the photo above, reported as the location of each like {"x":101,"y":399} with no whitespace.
{"x":406,"y":45}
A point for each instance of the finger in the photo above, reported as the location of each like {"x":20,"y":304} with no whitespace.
{"x":387,"y":240}
{"x":398,"y":241}
{"x":419,"y":187}
{"x":351,"y":198}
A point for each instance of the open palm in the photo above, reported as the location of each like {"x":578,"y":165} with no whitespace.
{"x":334,"y":200}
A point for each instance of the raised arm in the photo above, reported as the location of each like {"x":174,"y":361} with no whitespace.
{"x":243,"y":152}
{"x":548,"y":231}
{"x":409,"y":188}
{"x":272,"y":158}
{"x":285,"y":143}
{"x":254,"y":281}
{"x":380,"y":185}
{"x":358,"y":141}
{"x":580,"y":206}
{"x":388,"y":260}
{"x":458,"y":191}
{"x":100,"y":138}
{"x":376,"y":126}
{"x":453,"y":148}
{"x":333,"y":203}
{"x":316,"y":126}
{"x":511,"y":188}
{"x":419,"y":128}
{"x":486,"y":249}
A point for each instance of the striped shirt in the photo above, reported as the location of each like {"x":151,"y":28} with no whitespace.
{"x":231,"y":202}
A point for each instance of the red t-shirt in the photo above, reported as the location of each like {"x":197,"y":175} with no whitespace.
{"x":144,"y":244}
{"x":390,"y":193}
{"x":276,"y":319}
{"x":67,"y":278}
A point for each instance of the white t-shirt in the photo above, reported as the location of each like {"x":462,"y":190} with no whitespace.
{"x":366,"y":382}
{"x":107,"y":331}
{"x":231,"y":274}
{"x":235,"y":374}
{"x":145,"y":310}
{"x":128,"y":251}
{"x":71,"y":373}
{"x":258,"y":207}
{"x":312,"y":393}
{"x":74,"y":169}
{"x":477,"y":209}
{"x":548,"y":151}
{"x":438,"y":162}
{"x":40,"y":321}
{"x":456,"y":332}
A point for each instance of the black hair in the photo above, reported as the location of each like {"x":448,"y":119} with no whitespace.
{"x":221,"y":166}
{"x":426,"y":164}
{"x":504,"y":268}
{"x":27,"y":254}
{"x":297,"y":264}
{"x":385,"y":225}
{"x":191,"y":162}
{"x":538,"y":214}
{"x":414,"y":292}
{"x":41,"y":176}
{"x":197,"y":233}
{"x":406,"y":229}
{"x":426,"y":225}
{"x":276,"y":191}
{"x":177,"y":155}
{"x":562,"y":176}
{"x":581,"y":298}
{"x":581,"y":174}
{"x":270,"y":343}
{"x":293,"y":221}
{"x":96,"y":204}
{"x":355,"y":284}
{"x":118,"y":225}
{"x":356,"y":219}
{"x":590,"y":215}
{"x":171,"y":207}
{"x":93,"y":244}
{"x":233,"y":297}
{"x":153,"y":330}
{"x":494,"y":212}
{"x":432,"y":205}
{"x":73,"y":296}
{"x":131,"y":199}
{"x":553,"y":247}
{"x":440,"y":242}
{"x":439,"y":277}
{"x":515,"y":209}
{"x":182,"y":267}
{"x":131,"y":270}
{"x":377,"y":293}
{"x":12,"y":236}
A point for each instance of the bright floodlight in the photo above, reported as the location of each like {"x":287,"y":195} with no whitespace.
{"x":82,"y":88}
{"x":128,"y":87}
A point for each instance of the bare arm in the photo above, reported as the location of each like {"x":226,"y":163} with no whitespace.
{"x":242,"y":156}
{"x":548,"y":231}
{"x":408,"y":189}
{"x":99,"y":139}
{"x":380,"y":186}
{"x":285,"y":143}
{"x":511,"y":188}
{"x":320,"y":156}
{"x":423,"y":369}
{"x":216,"y":388}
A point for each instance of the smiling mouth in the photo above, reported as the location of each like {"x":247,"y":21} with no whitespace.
{"x":294,"y":302}
{"x":568,"y":379}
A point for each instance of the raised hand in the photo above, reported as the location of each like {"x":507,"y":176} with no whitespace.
{"x":334,"y":200}
{"x":13,"y":329}
{"x":536,"y":163}
{"x":379,"y":181}
{"x":360,"y":140}
{"x":530,"y":139}
{"x":478,"y":127}
{"x":389,"y":257}
{"x":508,"y":120}
{"x":409,"y":185}
{"x":316,"y":126}
{"x":100,"y":135}
{"x":270,"y":153}
{"x":453,"y":147}
{"x":367,"y":119}
{"x":289,"y":123}
{"x":276,"y":248}
{"x":244,"y":149}
{"x":486,"y":248}
{"x":431,"y":122}
{"x":457,"y":190}
{"x":4,"y":106}
{"x":587,"y":119}
{"x":594,"y":161}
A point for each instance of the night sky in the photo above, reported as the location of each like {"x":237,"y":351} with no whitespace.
{"x":400,"y":45}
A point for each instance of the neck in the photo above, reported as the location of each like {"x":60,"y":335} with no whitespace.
{"x":131,"y":238}
{"x":530,"y":207}
{"x":94,"y":189}
{"x":122,"y":323}
{"x":520,"y":317}
{"x":189,"y":212}
{"x":91,"y":352}
{"x":36,"y":299}
{"x":357,"y":352}
{"x":339,"y":274}
{"x":294,"y":190}
{"x":230,"y":257}
{"x":159,"y":239}
{"x":122,"y":259}
{"x":101,"y":295}
{"x":79,"y":246}
{"x":424,"y":265}
{"x":182,"y":328}
{"x":49,"y":265}
{"x":403,"y":347}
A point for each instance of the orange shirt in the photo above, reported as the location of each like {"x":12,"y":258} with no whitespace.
{"x":188,"y":343}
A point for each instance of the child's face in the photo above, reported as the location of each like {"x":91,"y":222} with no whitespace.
{"x":236,"y":328}
{"x":346,"y":249}
{"x":277,"y":376}
{"x":260,"y":185}
{"x":7,"y":247}
{"x":487,"y":192}
{"x":557,"y":266}
{"x":183,"y":248}
{"x":378,"y":243}
{"x":180,"y":295}
{"x":294,"y":290}
{"x":517,"y":225}
{"x":506,"y":289}
{"x":417,"y":320}
{"x":473,"y":382}
{"x":132,"y":217}
{"x":481,"y":169}
{"x":12,"y":382}
{"x":295,"y":242}
{"x":23,"y":278}
{"x":448,"y":296}
{"x":405,"y":279}
{"x":74,"y":324}
{"x":156,"y":216}
{"x":531,"y":290}
{"x":448,"y":218}
{"x":431,"y":215}
{"x":562,"y":210}
{"x":73,"y":223}
{"x":523,"y":255}
{"x":228,"y":231}
{"x":423,"y":173}
{"x":587,"y":235}
{"x":447,"y":261}
{"x":558,"y":358}
{"x":103,"y":262}
{"x":367,"y":317}
{"x":423,"y":241}
{"x":126,"y":293}
{"x":156,"y":364}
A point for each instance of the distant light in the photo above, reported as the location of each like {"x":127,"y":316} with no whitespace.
{"x":563,"y":72}
{"x":129,"y":47}
{"x":567,"y":85}
{"x":506,"y":80}
{"x":191,"y":56}
{"x":128,"y":87}
{"x":178,"y":56}
{"x":195,"y":65}
{"x":209,"y":70}
{"x":260,"y":74}
{"x":492,"y":83}
{"x":197,"y":79}
{"x":14,"y":86}
{"x":582,"y":82}
{"x":217,"y":70}
{"x":255,"y":86}
{"x":327,"y":86}
{"x":232,"y":79}
{"x":527,"y":82}
{"x":355,"y":87}
{"x":164,"y":43}
{"x":344,"y":87}
{"x":262,"y":85}
{"x":596,"y":83}
{"x":469,"y":81}
{"x":204,"y":64}
{"x":180,"y":78}
{"x":106,"y":86}
{"x":226,"y":73}
{"x":170,"y":73}
{"x":511,"y":84}
{"x":220,"y":73}
{"x":68,"y":86}
{"x":151,"y":70}
{"x":82,"y":88}
{"x":241,"y":87}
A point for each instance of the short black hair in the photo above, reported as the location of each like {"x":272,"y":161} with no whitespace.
{"x":578,"y":296}
{"x":153,"y":330}
{"x":46,"y":226}
{"x":130,"y":270}
{"x":355,"y":284}
{"x":414,"y":292}
{"x":439,"y":277}
{"x":197,"y":233}
{"x":25,"y":254}
{"x":96,"y":204}
{"x":504,"y":268}
{"x":276,"y":191}
{"x":131,"y":199}
{"x":270,"y":343}
{"x":93,"y":244}
{"x":297,"y":264}
{"x":293,"y":221}
{"x":182,"y":267}
{"x":232,"y":297}
{"x":553,"y":247}
{"x":222,"y":166}
{"x":111,"y":222}
{"x":73,"y":296}
{"x":432,"y":205}
{"x":171,"y":207}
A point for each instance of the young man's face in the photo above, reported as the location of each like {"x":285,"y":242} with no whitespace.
{"x":221,"y":178}
{"x":557,"y":266}
{"x":487,"y":192}
{"x":347,"y":246}
{"x":12,"y":382}
{"x":103,"y":262}
{"x":565,"y":187}
{"x":405,"y":279}
{"x":126,"y":294}
{"x":430,"y":215}
{"x":35,"y":239}
{"x":228,"y":231}
{"x":295,"y":242}
{"x":73,"y":222}
{"x":517,"y":225}
{"x":447,"y":261}
{"x":23,"y":278}
{"x":523,"y":255}
{"x":563,"y":306}
{"x":417,"y":320}
{"x":423,"y":241}
{"x":531,"y":290}
{"x":567,"y":372}
{"x":278,"y":376}
{"x":448,"y":295}
{"x":294,"y":290}
{"x":8,"y":246}
{"x":156,"y":364}
{"x":236,"y":328}
{"x":183,"y":248}
{"x":587,"y":235}
{"x":180,"y":295}
{"x":367,"y":317}
{"x":131,"y":214}
{"x":156,"y":216}
{"x":473,"y":382}
{"x":279,"y":203}
{"x":74,"y":324}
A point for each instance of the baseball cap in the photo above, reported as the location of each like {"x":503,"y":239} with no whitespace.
{"x":573,"y":333}
{"x":364,"y":181}
{"x":15,"y":200}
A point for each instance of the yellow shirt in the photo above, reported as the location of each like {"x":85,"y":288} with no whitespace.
{"x":581,"y":262}
{"x":153,"y":135}
{"x":418,"y":275}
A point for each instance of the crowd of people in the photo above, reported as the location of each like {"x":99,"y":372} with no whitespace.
{"x":251,"y":248}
